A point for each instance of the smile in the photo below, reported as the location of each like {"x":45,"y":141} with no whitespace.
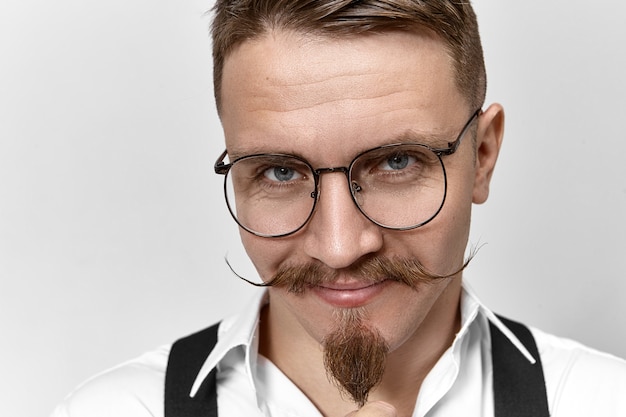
{"x":349,"y":295}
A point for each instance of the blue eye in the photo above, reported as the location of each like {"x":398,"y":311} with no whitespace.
{"x":282,"y":174}
{"x":397,"y":162}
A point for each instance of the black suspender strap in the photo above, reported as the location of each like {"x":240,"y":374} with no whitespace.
{"x":186,"y":358}
{"x":519,"y":388}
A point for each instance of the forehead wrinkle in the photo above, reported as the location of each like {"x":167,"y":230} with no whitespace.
{"x":270,"y":104}
{"x":289,"y":108}
{"x":306,"y":82}
{"x":291,"y":79}
{"x":283,"y":97}
{"x":283,"y":81}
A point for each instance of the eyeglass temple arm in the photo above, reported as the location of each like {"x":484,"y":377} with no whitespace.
{"x":220,"y":166}
{"x":453,"y":146}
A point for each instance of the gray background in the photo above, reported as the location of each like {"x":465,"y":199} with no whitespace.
{"x":112,"y":225}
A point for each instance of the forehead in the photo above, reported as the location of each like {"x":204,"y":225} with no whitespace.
{"x":285,"y":91}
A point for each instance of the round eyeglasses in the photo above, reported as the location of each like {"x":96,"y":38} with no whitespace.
{"x":400,"y":186}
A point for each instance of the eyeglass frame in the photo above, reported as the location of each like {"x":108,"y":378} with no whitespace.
{"x":222,"y":168}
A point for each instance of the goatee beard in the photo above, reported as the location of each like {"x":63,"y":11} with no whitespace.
{"x":355,"y":355}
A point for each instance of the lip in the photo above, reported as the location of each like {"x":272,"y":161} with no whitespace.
{"x":349,"y":295}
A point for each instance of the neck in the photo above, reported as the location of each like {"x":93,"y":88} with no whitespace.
{"x":408,"y":366}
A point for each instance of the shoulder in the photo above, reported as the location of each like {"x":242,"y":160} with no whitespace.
{"x":581,"y":380}
{"x":134,"y":388}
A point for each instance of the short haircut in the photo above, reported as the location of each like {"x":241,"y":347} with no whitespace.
{"x":236,"y":21}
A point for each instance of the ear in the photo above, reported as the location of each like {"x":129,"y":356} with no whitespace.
{"x":488,"y":141}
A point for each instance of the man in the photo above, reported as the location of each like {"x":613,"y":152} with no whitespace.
{"x":356,"y":144}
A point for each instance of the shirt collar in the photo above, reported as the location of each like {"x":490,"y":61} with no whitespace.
{"x":471,"y":307}
{"x":236,"y":331}
{"x":241,"y":331}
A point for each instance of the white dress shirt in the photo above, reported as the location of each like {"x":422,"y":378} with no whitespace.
{"x":580,"y":381}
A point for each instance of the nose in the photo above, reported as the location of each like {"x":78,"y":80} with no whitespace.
{"x":338,"y":234}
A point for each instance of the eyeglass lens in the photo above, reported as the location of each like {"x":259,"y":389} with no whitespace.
{"x":399,"y":187}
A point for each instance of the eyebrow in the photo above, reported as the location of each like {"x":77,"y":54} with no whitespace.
{"x":434,"y":140}
{"x":254,"y":150}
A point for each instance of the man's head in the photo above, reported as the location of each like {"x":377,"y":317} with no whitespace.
{"x":453,"y":21}
{"x":327,"y":82}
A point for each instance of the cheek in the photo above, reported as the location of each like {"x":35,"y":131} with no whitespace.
{"x":267,"y":254}
{"x":454,"y":219}
{"x":404,"y":314}
{"x":440,"y":245}
{"x":301,"y":314}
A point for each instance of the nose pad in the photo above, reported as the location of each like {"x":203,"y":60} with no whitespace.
{"x":338,"y":234}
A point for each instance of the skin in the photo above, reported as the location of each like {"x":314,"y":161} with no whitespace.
{"x":327,"y":100}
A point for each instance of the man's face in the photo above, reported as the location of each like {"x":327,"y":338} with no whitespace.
{"x":327,"y":100}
